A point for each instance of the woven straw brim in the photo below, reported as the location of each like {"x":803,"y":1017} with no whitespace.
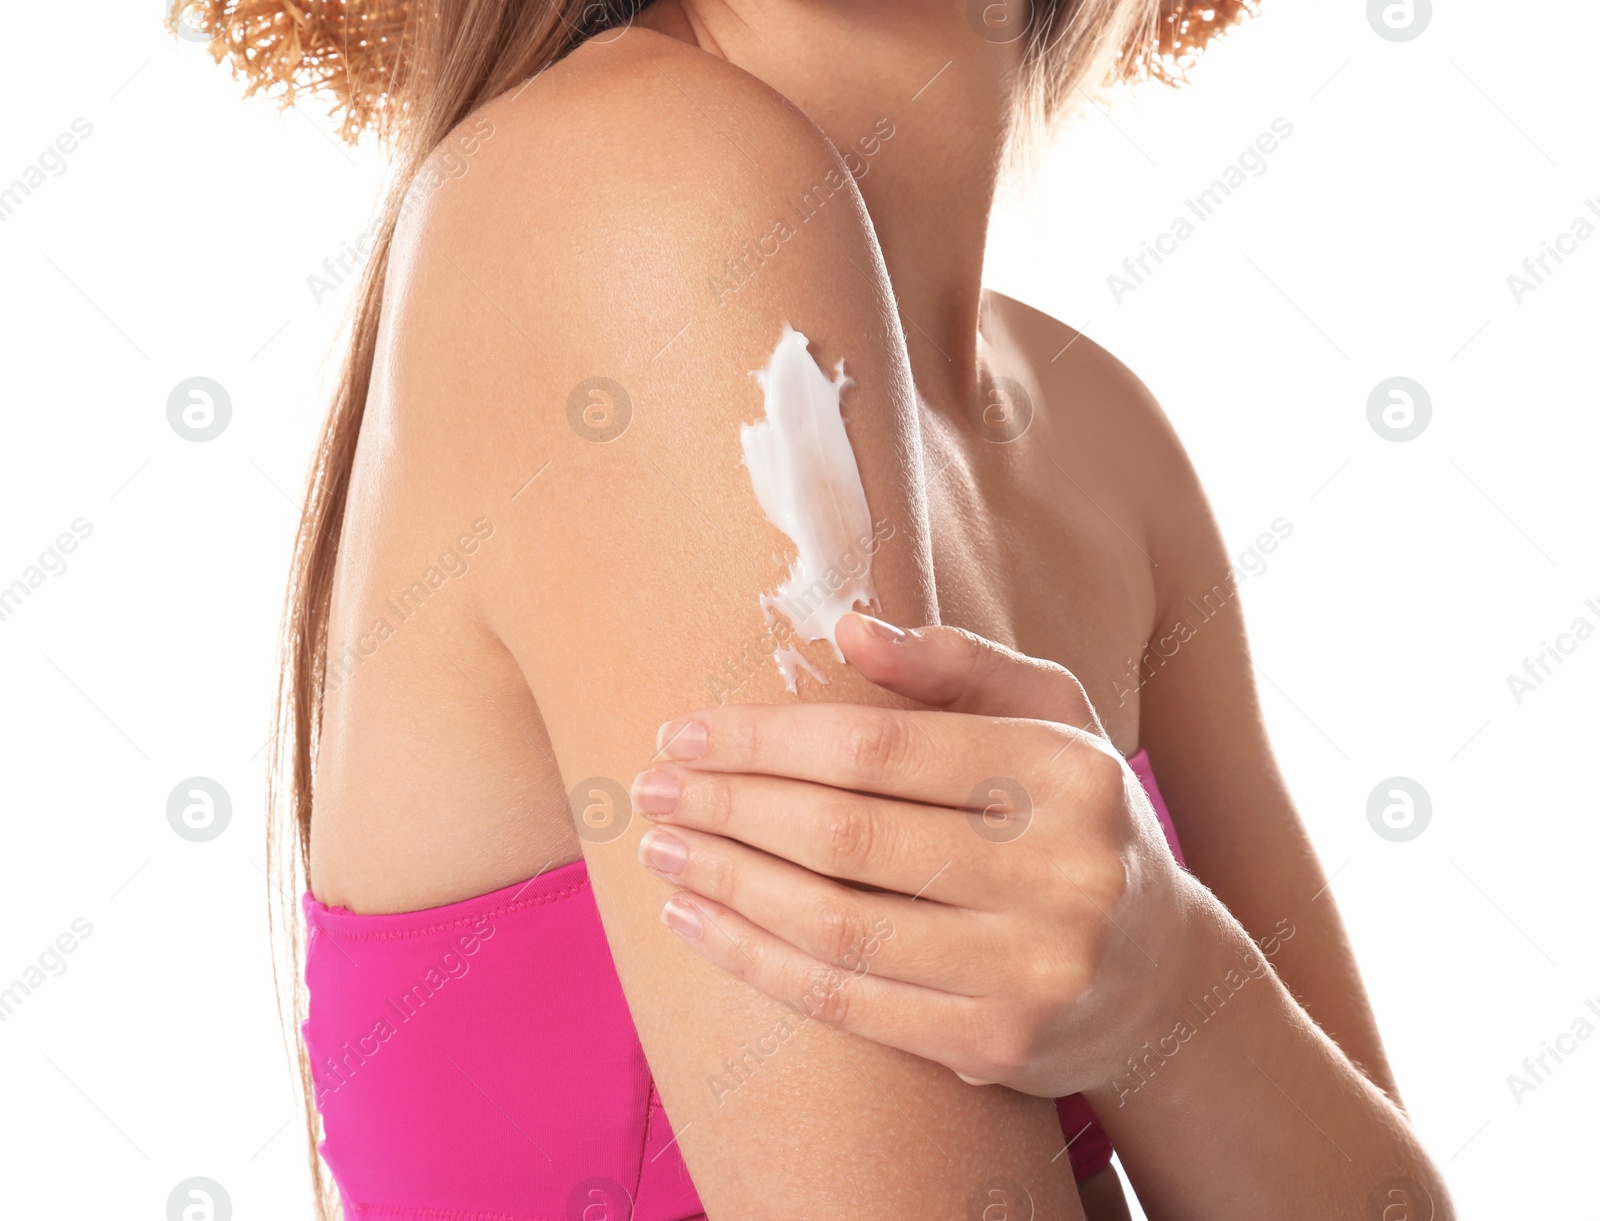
{"x":355,"y":54}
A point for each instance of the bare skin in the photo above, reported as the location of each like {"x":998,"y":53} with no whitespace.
{"x":610,"y":583}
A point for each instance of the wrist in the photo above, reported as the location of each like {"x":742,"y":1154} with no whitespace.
{"x":1208,"y":966}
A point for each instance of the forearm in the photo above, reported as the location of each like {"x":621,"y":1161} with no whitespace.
{"x":1237,"y":1105}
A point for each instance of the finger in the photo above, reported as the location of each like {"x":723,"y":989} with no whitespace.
{"x":929,"y":852}
{"x":947,"y":948}
{"x":935,"y":1025}
{"x":959,"y":671}
{"x":941,"y":758}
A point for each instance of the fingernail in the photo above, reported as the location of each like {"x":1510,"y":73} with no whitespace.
{"x":663,"y":852}
{"x":655,"y":793}
{"x":681,"y":918}
{"x":880,"y":629}
{"x":681,"y":740}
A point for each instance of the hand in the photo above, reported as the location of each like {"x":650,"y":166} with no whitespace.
{"x":985,"y":885}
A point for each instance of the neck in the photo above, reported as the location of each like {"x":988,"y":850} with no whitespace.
{"x":860,"y":70}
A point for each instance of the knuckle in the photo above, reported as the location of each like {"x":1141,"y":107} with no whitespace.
{"x":1072,"y":698}
{"x":1103,"y":775}
{"x":1048,"y":981}
{"x":844,"y":837}
{"x":1094,"y":777}
{"x":984,"y":1038}
{"x":871,"y":745}
{"x":1069,"y":683}
{"x":1039,"y":974}
{"x":1094,"y":883}
{"x":1066,"y":679}
{"x":739,"y":954}
{"x":1104,"y":875}
{"x":835,"y":928}
{"x":1006,"y":1049}
{"x":1072,"y":977}
{"x":827,"y":996}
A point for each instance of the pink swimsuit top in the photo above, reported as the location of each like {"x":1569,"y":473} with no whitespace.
{"x":477,"y":1062}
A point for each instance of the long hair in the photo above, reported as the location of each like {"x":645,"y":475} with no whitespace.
{"x":410,"y":72}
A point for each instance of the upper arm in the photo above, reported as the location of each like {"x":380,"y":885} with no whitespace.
{"x":593,"y":245}
{"x":1201,"y":720}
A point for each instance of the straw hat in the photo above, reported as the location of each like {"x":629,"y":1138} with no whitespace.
{"x":355,"y":52}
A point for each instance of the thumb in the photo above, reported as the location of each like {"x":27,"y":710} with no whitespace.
{"x":960,"y":671}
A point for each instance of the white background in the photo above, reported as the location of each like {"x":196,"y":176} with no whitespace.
{"x":178,"y":242}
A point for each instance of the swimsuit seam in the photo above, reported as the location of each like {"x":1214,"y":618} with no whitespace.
{"x":506,"y":909}
{"x":649,"y":1123}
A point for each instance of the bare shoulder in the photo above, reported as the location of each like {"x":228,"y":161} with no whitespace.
{"x":614,"y":91}
{"x":1105,"y":421}
{"x":635,"y":167}
{"x":571,"y":306}
{"x":1086,"y":386}
{"x":615,"y":88}
{"x":594,"y":223}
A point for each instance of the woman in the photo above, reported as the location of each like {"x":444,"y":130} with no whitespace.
{"x":607,"y":922}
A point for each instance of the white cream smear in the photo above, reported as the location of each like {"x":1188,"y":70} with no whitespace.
{"x":805,"y":477}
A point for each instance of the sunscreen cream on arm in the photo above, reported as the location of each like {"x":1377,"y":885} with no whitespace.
{"x":806,"y":480}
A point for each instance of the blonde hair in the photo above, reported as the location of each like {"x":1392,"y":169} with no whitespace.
{"x":410,"y":73}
